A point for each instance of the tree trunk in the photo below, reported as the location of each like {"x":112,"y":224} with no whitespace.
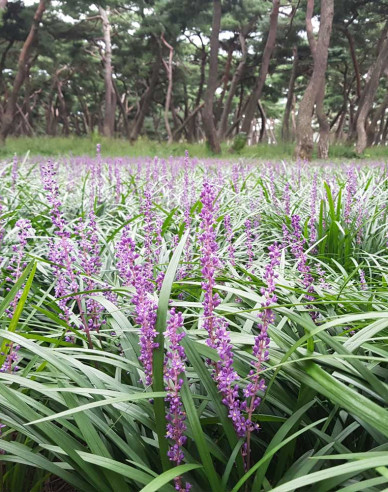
{"x":208,"y":112}
{"x":233,"y":87}
{"x":8,"y":116}
{"x":146,"y":100}
{"x":192,"y":126}
{"x":385,"y":133}
{"x":324,"y":125}
{"x":354,"y":60}
{"x":369,"y":93}
{"x":290,"y":97}
{"x":263,"y":122}
{"x":168,"y":68}
{"x":4,"y":57}
{"x":185,"y":122}
{"x":379,"y":134}
{"x":293,"y":117}
{"x":225,"y":79}
{"x":267,"y":54}
{"x":87,"y":119}
{"x":305,"y":141}
{"x":341,"y":114}
{"x":110,"y":94}
{"x":378,"y":115}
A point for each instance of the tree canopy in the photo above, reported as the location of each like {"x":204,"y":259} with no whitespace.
{"x":165,"y":70}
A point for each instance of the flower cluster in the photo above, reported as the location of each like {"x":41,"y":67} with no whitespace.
{"x":145,"y":317}
{"x":62,"y":254}
{"x":138,"y":276}
{"x":24,"y":231}
{"x":11,"y":357}
{"x":50,"y":185}
{"x":313,"y":212}
{"x":174,"y":368}
{"x":351,"y":189}
{"x":267,"y":317}
{"x":209,"y":260}
{"x":219,"y":338}
{"x":364,"y":285}
{"x":226,"y":378}
{"x":89,"y":256}
{"x":297,"y":242}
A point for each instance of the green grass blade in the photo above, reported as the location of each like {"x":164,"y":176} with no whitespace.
{"x":348,"y":469}
{"x":158,"y":482}
{"x":200,"y":441}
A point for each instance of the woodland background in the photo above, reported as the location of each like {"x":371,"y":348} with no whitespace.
{"x":241,"y":71}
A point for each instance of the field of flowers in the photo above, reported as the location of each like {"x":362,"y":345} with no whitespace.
{"x":176,"y":324}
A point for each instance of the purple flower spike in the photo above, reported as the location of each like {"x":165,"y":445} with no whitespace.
{"x":364,"y":285}
{"x":226,"y":378}
{"x":17,"y":262}
{"x":174,"y":368}
{"x":286,"y":199}
{"x":139,"y":276}
{"x":10,"y":362}
{"x":313,"y":212}
{"x":260,"y":349}
{"x":267,"y":317}
{"x":351,"y":189}
{"x":209,"y":259}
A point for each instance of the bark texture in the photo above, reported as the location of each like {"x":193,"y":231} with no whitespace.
{"x":168,"y":68}
{"x":110,"y":94}
{"x":22,"y":70}
{"x":267,"y":54}
{"x":208,"y":108}
{"x":146,"y":99}
{"x":378,"y":116}
{"x":369,"y":92}
{"x":305,"y":142}
{"x":286,"y":136}
{"x":233,"y":87}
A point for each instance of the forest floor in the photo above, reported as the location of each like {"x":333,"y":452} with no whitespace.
{"x":54,"y":146}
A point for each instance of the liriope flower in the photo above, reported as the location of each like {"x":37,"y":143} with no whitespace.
{"x":174,"y":368}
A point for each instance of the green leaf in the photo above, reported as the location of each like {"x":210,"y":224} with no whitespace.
{"x":347,"y":398}
{"x":269,"y":455}
{"x":35,"y":459}
{"x":348,"y":469}
{"x":101,"y":403}
{"x":117,"y":467}
{"x":200,"y":441}
{"x":19,"y":309}
{"x":168,"y":475}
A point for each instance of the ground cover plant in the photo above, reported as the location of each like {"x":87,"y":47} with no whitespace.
{"x":189,"y":323}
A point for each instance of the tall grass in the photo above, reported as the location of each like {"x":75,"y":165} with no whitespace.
{"x":82,"y":415}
